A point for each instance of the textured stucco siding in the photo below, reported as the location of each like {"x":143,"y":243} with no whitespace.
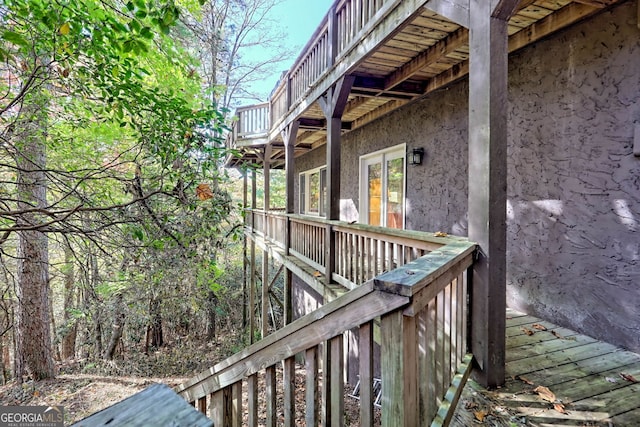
{"x":573,"y":212}
{"x":574,"y":184}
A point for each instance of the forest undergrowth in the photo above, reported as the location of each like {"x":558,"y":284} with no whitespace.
{"x":84,"y":386}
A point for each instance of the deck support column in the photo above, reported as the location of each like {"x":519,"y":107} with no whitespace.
{"x":333,"y":104}
{"x":488,"y":45}
{"x":289,"y":135}
{"x":252,"y":262}
{"x":265,"y":254}
{"x":245,"y":259}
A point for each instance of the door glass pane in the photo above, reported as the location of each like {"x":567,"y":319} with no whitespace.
{"x":323,"y":192}
{"x":314,"y":192}
{"x":303,"y":195}
{"x":395,"y":193}
{"x":374,"y":177}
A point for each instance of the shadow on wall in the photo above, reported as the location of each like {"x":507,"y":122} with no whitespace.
{"x":577,"y":264}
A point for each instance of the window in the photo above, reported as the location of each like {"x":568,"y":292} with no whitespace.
{"x":382,"y":187}
{"x":313,"y":191}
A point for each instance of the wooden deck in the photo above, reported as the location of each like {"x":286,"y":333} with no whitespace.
{"x":586,"y":376}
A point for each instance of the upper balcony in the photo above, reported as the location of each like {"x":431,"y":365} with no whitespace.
{"x":397,"y":51}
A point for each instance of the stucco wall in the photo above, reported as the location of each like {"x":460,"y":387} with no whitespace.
{"x":574,"y":184}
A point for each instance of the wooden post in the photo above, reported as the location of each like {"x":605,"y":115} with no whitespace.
{"x":265,"y":254}
{"x":333,"y":104}
{"x":488,"y":45}
{"x":289,"y":136}
{"x":245,"y":263}
{"x":333,"y":36}
{"x":365,"y":345}
{"x":252,"y":263}
{"x":399,"y":367}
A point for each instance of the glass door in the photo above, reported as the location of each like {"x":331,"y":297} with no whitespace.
{"x":382,"y":188}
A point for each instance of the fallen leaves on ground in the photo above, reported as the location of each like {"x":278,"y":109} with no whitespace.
{"x":480,"y":415}
{"x":628,"y":377}
{"x":545,"y":393}
{"x":528,"y":331}
{"x":559,"y":407}
{"x":539,"y":327}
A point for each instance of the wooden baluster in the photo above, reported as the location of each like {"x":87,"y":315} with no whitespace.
{"x":455,"y":343}
{"x":217,"y":408}
{"x":336,"y":399}
{"x":447,"y":375}
{"x":202,"y":404}
{"x":432,"y":362}
{"x":441,"y":387}
{"x":252,"y":405}
{"x":270,"y":396}
{"x":365,"y":346}
{"x":311,"y":387}
{"x":289,"y":382}
{"x":236,"y":404}
{"x":399,"y":368}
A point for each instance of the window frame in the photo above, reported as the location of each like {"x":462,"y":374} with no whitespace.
{"x":383,"y":157}
{"x":306,"y":193}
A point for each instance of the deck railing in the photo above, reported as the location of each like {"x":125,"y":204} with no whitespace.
{"x":362,"y":252}
{"x":422,"y":308}
{"x":340,"y":30}
{"x":253,"y":123}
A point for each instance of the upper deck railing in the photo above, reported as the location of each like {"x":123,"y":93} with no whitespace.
{"x":346,"y":22}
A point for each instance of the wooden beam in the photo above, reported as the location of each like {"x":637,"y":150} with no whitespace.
{"x":504,"y":9}
{"x":566,"y":16}
{"x":441,"y":49}
{"x":378,"y":112}
{"x":454,"y":10}
{"x":597,"y":3}
{"x":488,"y":39}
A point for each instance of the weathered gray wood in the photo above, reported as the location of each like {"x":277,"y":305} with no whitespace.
{"x":336,"y":401}
{"x":156,"y":405}
{"x":454,"y":10}
{"x":348,"y":311}
{"x":202,"y":404}
{"x":365,"y":345}
{"x":311,"y":387}
{"x":487,"y":186}
{"x":399,"y":370}
{"x":412,"y":277}
{"x":252,"y":263}
{"x":236,"y":404}
{"x":271,"y":396}
{"x":216,"y":408}
{"x":252,"y":392}
{"x":447,"y":408}
{"x":289,"y":384}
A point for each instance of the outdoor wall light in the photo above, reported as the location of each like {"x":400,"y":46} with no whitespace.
{"x":415,"y":156}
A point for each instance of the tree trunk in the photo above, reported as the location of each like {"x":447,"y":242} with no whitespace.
{"x":32,"y":333}
{"x":118,"y":328}
{"x":157,"y":339}
{"x":212,"y":303}
{"x":70,"y":326}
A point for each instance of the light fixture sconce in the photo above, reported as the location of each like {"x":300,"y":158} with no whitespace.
{"x":415,"y":156}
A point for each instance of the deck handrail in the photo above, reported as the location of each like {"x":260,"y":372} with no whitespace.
{"x":362,"y":251}
{"x":423,"y":342}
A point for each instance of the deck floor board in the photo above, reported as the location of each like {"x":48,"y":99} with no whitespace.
{"x":583,"y":373}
